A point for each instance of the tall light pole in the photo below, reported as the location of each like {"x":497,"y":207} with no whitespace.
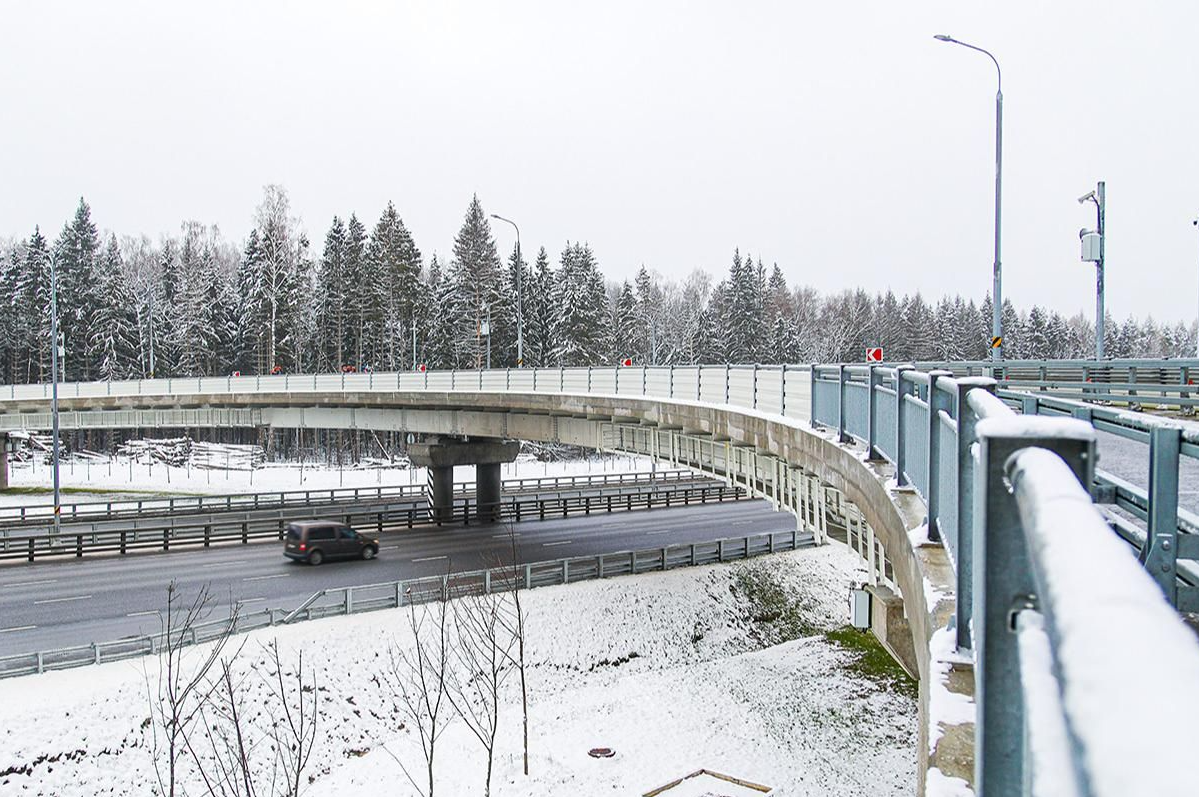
{"x":54,"y":388}
{"x":997,"y":287}
{"x":1093,"y":250}
{"x":520,"y":319}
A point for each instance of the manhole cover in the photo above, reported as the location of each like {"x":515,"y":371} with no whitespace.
{"x":601,"y":752}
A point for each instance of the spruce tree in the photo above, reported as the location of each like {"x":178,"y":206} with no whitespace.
{"x":395,"y":265}
{"x":113,"y":342}
{"x":626,"y":331}
{"x":76,"y":251}
{"x":477,"y":273}
{"x":331,"y":294}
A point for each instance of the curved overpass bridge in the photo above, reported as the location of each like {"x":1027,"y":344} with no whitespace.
{"x":994,"y":487}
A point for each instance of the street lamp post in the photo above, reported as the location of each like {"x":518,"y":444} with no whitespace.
{"x":1099,"y":197}
{"x":54,"y":389}
{"x":520,"y":320}
{"x":997,"y":286}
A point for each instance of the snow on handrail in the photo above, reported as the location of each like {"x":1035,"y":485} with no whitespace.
{"x":1129,"y":670}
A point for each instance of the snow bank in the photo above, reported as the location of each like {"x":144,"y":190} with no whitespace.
{"x":663,"y":668}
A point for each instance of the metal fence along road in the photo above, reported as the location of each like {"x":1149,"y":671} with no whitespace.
{"x":350,"y":600}
{"x":184,"y":533}
{"x":98,"y":511}
{"x":1054,"y":618}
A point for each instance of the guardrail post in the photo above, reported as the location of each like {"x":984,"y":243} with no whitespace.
{"x":1001,"y":591}
{"x":1161,"y":545}
{"x":872,"y":382}
{"x":841,"y":380}
{"x":900,"y":427}
{"x":937,"y":401}
{"x":964,"y":553}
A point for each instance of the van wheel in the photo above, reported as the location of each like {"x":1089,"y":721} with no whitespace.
{"x":315,"y":558}
{"x":369,"y":552}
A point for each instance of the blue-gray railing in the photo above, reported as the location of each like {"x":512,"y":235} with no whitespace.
{"x":1059,"y":631}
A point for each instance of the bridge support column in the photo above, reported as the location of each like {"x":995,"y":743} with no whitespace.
{"x":487,"y":491}
{"x":441,"y":454}
{"x":441,"y":485}
{"x":4,"y":442}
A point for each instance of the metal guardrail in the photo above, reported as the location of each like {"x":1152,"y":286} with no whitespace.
{"x":89,"y":511}
{"x":1002,"y":490}
{"x":781,"y":389}
{"x":207,"y":534}
{"x":1163,"y":382}
{"x":392,"y":594}
{"x":863,"y":402}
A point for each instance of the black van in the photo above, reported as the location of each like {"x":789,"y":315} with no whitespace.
{"x":314,"y":541}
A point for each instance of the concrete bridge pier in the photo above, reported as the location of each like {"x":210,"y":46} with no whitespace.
{"x":441,"y":454}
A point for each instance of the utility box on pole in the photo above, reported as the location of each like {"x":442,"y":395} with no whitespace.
{"x":1092,"y":247}
{"x":859,"y":607}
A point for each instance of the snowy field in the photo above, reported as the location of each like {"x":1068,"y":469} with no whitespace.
{"x":158,"y":479}
{"x":696,"y":668}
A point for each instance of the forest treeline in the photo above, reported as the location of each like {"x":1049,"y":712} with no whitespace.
{"x":197,"y":304}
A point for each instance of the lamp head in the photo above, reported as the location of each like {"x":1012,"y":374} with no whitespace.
{"x":942,"y":37}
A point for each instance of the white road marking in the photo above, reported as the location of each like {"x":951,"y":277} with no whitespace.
{"x":17,"y":628}
{"x":250,"y":600}
{"x":224,"y":564}
{"x":390,"y":547}
{"x":430,"y":558}
{"x":264,"y":578}
{"x":62,"y":600}
{"x":503,"y":536}
{"x":30,"y":583}
{"x":559,"y":542}
{"x":153,"y":613}
{"x":662,"y":531}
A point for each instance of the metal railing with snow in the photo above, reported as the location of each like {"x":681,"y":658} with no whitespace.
{"x":1057,"y":612}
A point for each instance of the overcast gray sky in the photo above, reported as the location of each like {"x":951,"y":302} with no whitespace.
{"x":836,"y":138}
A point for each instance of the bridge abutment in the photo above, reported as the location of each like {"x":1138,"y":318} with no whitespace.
{"x":441,"y":454}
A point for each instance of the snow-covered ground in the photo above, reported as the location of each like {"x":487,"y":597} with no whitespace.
{"x":159,"y":479}
{"x":675,"y":671}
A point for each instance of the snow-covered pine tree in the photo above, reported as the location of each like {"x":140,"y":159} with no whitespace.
{"x":581,"y":303}
{"x":538,"y":312}
{"x":477,"y":273}
{"x":395,"y":265}
{"x":503,"y":351}
{"x":76,"y":251}
{"x":625,"y":329}
{"x":10,"y":281}
{"x":439,"y":347}
{"x":113,"y":342}
{"x":359,"y":296}
{"x":331,"y":294}
{"x":35,"y":305}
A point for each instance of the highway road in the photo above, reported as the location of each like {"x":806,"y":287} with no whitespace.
{"x":59,"y":604}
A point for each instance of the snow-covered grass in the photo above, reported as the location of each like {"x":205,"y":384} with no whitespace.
{"x":734,"y":668}
{"x":158,"y":479}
